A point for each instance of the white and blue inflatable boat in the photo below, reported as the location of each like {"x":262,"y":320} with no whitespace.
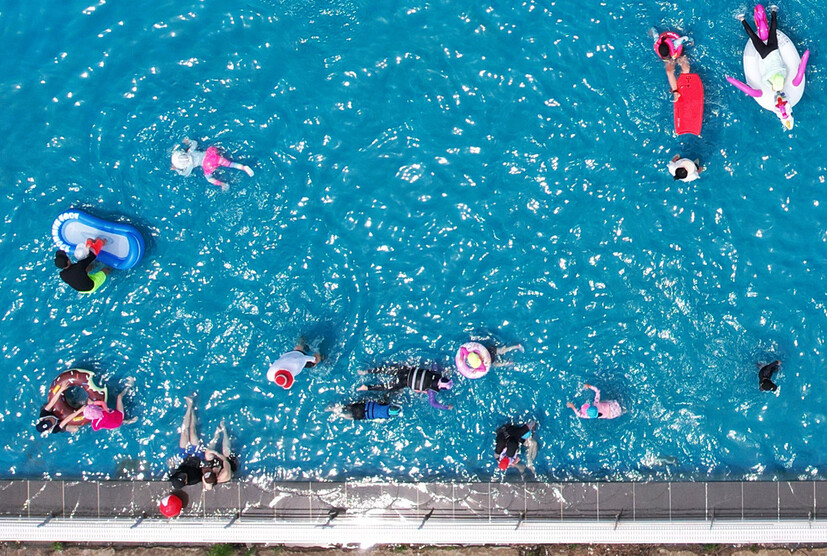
{"x":124,"y":244}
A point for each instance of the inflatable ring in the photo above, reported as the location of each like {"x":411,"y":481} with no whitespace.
{"x":669,"y":37}
{"x":76,"y":377}
{"x":482,"y":354}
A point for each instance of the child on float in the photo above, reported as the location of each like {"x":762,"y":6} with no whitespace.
{"x":101,"y":417}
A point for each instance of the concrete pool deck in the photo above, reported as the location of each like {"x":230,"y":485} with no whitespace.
{"x":350,"y":513}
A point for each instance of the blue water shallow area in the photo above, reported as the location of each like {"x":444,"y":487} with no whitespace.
{"x":426,"y":172}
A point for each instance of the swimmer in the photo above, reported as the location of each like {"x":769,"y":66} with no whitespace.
{"x":358,"y":411}
{"x":290,"y":365}
{"x":670,"y":49}
{"x":78,"y":274}
{"x":765,"y":382}
{"x":218,"y":468}
{"x":509,"y":440}
{"x":189,"y":448}
{"x":101,"y":417}
{"x":684,"y":169}
{"x":597,"y":409}
{"x":48,"y":421}
{"x":417,"y":379}
{"x":775,"y":70}
{"x":185,"y":161}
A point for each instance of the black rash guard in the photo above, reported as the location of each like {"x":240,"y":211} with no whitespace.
{"x":76,"y":275}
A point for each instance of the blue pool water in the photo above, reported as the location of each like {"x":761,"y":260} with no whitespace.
{"x":426,"y":172}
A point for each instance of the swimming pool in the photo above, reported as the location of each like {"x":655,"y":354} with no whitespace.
{"x":425,"y":173}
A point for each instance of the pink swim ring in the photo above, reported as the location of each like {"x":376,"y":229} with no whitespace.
{"x":473,"y":360}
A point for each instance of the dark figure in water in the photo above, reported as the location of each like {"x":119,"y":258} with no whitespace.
{"x":509,"y":440}
{"x":419,"y":380}
{"x":765,"y":382}
{"x":368,"y":409}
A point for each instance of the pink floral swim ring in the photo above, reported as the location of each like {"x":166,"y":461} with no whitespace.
{"x":473,"y":360}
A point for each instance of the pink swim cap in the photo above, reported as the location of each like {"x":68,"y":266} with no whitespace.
{"x":92,"y":412}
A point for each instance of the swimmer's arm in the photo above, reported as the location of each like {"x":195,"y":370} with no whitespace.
{"x":53,"y":401}
{"x":573,"y":408}
{"x":595,"y":390}
{"x":436,"y":404}
{"x":87,"y":261}
{"x":216,"y":182}
{"x":68,"y":419}
{"x":190,"y":144}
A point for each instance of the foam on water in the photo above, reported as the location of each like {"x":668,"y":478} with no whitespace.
{"x":425,"y":172}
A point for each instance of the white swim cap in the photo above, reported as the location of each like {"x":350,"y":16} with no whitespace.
{"x":181,"y":160}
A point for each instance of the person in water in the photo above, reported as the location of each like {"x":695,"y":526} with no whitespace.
{"x":774,"y":69}
{"x":48,"y":422}
{"x":765,"y":382}
{"x":78,"y":275}
{"x":596,"y":409}
{"x":218,"y":468}
{"x":508,"y":442}
{"x":367,"y":409}
{"x":185,"y":161}
{"x":189,"y":448}
{"x":101,"y":417}
{"x":670,"y":49}
{"x":417,"y":379}
{"x":684,"y":169}
{"x":290,"y":365}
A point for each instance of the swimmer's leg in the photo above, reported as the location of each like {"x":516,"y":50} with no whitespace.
{"x":119,"y":401}
{"x":242,"y":167}
{"x":218,"y":183}
{"x":683,"y":62}
{"x":226,"y":450}
{"x":506,"y":349}
{"x":183,"y":441}
{"x":193,"y":434}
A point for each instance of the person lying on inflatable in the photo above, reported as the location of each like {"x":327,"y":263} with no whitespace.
{"x":773,"y":66}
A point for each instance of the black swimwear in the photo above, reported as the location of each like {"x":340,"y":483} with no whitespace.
{"x":415,"y":378}
{"x":46,"y":413}
{"x":77,"y":276}
{"x":765,"y":382}
{"x":191,"y":466}
{"x":509,"y":438}
{"x":772,"y":40}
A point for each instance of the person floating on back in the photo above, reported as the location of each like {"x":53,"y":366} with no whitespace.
{"x":765,"y":382}
{"x":419,"y":380}
{"x":684,"y":169}
{"x":370,"y":410}
{"x":78,"y":275}
{"x":185,"y":161}
{"x":290,"y":365}
{"x":596,"y":409}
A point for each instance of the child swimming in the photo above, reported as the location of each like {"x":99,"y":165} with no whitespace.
{"x":185,"y":161}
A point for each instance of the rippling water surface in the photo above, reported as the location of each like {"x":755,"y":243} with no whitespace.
{"x":426,"y":172}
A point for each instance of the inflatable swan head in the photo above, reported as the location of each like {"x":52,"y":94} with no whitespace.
{"x":784,"y":111}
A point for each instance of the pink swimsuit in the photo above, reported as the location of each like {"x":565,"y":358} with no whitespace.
{"x":212,"y":160}
{"x":110,"y":420}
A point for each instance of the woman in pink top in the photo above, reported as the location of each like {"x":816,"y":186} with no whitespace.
{"x":597,"y":409}
{"x":102,"y":417}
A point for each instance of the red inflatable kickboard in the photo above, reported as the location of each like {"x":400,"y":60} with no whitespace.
{"x":689,"y":108}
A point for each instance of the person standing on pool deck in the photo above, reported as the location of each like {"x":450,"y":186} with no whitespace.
{"x":765,"y":382}
{"x":101,"y":417}
{"x":597,"y":409}
{"x":684,"y":169}
{"x":417,"y":379}
{"x":185,"y":161}
{"x":290,"y":365}
{"x":189,"y":448}
{"x":218,"y":468}
{"x":78,"y":275}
